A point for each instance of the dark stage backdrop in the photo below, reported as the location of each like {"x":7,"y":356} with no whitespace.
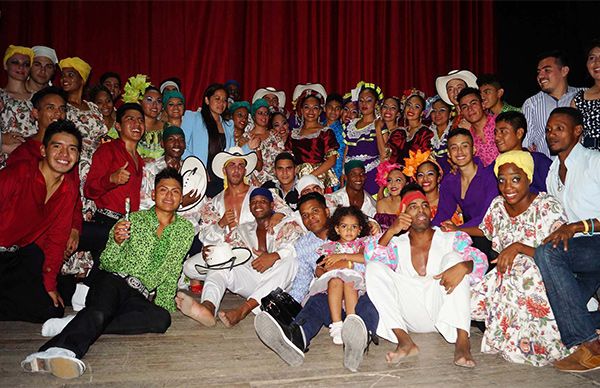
{"x":271,"y":43}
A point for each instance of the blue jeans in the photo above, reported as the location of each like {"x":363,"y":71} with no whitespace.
{"x":315,"y":314}
{"x":571,"y":279}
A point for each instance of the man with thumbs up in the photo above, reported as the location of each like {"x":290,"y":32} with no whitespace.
{"x":115,"y":174}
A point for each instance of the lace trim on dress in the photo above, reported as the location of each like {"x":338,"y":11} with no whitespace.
{"x":295,"y":134}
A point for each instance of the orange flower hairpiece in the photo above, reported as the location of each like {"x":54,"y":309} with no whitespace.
{"x":414,"y":160}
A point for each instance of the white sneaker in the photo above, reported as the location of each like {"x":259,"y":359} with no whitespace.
{"x":335,"y":332}
{"x":55,"y":326}
{"x":58,"y":361}
{"x":78,"y":299}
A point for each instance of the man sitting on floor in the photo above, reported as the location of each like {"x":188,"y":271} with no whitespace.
{"x":429,"y":290}
{"x":37,"y":200}
{"x":141,"y":263}
{"x":273,"y":265}
{"x":290,"y":342}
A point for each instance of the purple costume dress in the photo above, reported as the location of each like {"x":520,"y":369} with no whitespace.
{"x":361,"y":145}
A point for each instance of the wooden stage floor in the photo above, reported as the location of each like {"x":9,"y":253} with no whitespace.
{"x":190,"y":356}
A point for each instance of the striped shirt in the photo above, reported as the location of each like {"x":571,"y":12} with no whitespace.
{"x":537,"y":109}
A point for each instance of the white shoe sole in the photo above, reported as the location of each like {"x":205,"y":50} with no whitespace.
{"x":271,"y":334}
{"x":62,"y":367}
{"x":355,"y":338}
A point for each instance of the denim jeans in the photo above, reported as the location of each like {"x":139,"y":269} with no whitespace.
{"x":315,"y":314}
{"x":571,"y":278}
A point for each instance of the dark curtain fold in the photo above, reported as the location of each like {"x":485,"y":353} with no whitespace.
{"x":263,"y":43}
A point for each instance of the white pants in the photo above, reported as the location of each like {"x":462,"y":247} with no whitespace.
{"x":249,"y":283}
{"x":418,"y":304}
{"x":189,"y":267}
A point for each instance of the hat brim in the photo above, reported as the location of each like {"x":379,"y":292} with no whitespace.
{"x":260,"y":93}
{"x":240,"y":257}
{"x":195,"y":178}
{"x":302,"y":88}
{"x":222,"y":157}
{"x":465,"y":75}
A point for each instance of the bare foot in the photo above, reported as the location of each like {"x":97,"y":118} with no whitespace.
{"x":462,"y":351}
{"x":231,"y":318}
{"x":402,"y":351}
{"x":197,"y":311}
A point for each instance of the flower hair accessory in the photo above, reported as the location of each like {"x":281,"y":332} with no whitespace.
{"x":414,"y":160}
{"x":369,"y":85}
{"x":383,"y":170}
{"x":408,"y":93}
{"x":135,"y":88}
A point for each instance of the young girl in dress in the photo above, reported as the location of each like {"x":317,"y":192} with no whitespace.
{"x":341,"y":271}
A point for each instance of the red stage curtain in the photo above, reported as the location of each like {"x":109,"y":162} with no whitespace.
{"x":271,"y":43}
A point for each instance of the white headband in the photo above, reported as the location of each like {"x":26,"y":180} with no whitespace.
{"x":43,"y":51}
{"x":168,"y":83}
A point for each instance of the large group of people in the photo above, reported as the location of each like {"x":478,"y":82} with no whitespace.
{"x":379,"y":215}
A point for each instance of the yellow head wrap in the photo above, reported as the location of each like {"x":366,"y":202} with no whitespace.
{"x":12,"y":50}
{"x":521,"y":159}
{"x":78,"y":64}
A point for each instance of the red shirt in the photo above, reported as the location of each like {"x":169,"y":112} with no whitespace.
{"x":27,"y":219}
{"x":107,"y":159}
{"x":30,"y":150}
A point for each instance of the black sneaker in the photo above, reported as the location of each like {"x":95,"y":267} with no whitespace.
{"x":287,"y":341}
{"x":356,"y":339}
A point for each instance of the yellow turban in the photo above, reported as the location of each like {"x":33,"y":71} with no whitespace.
{"x":12,"y":50}
{"x":78,"y":64}
{"x":521,"y":159}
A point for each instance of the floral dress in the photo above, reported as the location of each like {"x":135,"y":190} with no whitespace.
{"x":355,"y":274}
{"x":16,"y":117}
{"x":269,"y":149}
{"x":519,"y":322}
{"x":91,"y":125}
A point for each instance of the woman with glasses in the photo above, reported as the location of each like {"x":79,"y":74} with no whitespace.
{"x":264,"y":142}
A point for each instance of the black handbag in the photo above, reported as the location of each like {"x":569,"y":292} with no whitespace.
{"x":281,"y":306}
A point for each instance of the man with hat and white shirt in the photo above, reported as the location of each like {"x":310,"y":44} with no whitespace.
{"x":354,"y":193}
{"x":42,"y":68}
{"x":275,"y":98}
{"x":231,"y":207}
{"x":448,"y":87}
{"x":274,"y":265}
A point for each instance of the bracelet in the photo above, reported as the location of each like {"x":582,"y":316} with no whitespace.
{"x":586,"y":227}
{"x":592,"y":230}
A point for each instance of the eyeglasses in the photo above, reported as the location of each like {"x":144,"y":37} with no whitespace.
{"x":151,"y":101}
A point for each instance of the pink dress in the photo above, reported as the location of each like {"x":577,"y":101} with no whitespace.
{"x":356,"y":274}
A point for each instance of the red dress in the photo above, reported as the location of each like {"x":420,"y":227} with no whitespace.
{"x":400,"y":144}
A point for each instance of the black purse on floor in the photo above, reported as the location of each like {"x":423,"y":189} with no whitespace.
{"x":281,"y":306}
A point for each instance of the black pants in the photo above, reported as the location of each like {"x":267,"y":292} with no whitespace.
{"x":112,"y":307}
{"x":23,"y":296}
{"x":485,"y":246}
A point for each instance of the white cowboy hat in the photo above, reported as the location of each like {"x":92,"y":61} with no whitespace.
{"x":260,"y":93}
{"x":195,"y":178}
{"x":233,"y":153}
{"x":441,"y":81}
{"x":301,"y":88}
{"x":221,"y":256}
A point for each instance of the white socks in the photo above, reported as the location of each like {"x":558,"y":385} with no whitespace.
{"x":335,"y":332}
{"x":54,"y":326}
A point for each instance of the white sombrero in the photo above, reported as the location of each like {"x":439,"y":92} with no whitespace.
{"x":260,"y":93}
{"x":195,"y":178}
{"x":301,"y":88}
{"x":441,"y":81}
{"x":220,"y":257}
{"x":233,"y":153}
